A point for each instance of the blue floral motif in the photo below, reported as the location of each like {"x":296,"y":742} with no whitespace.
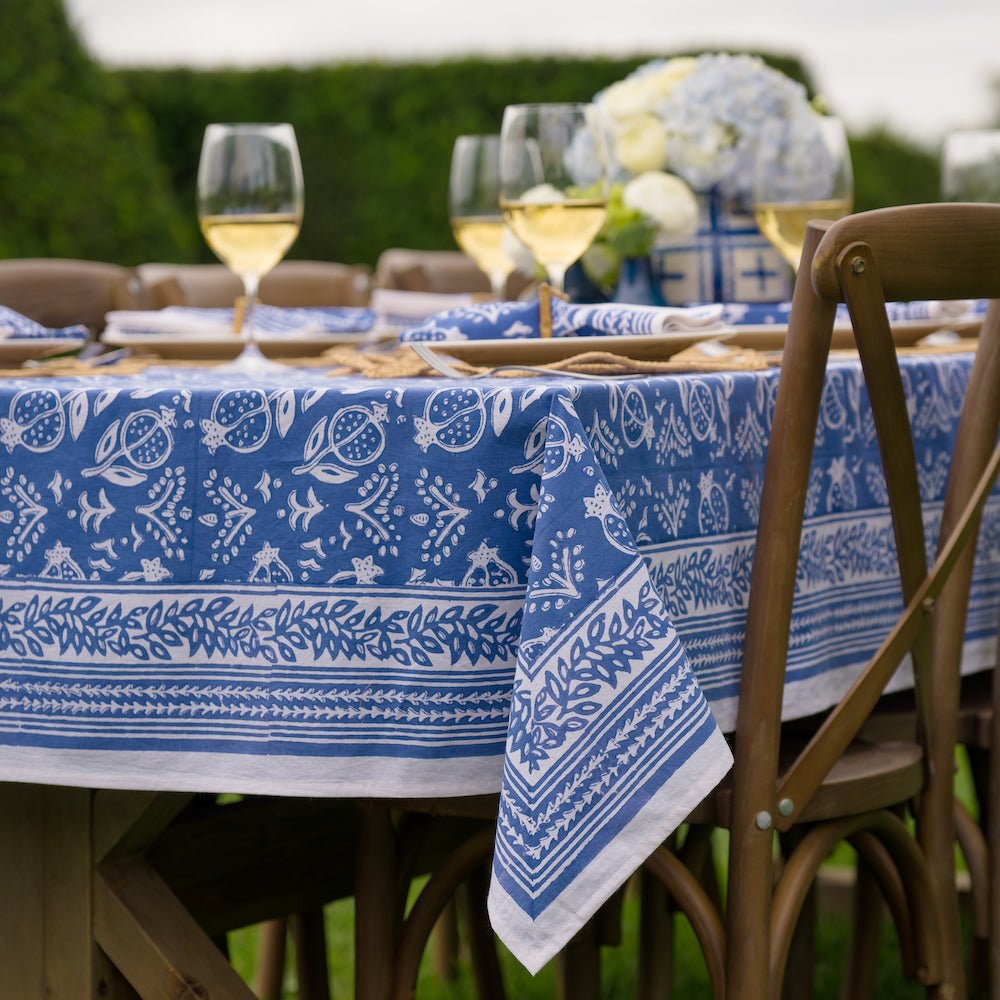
{"x":535,"y":576}
{"x":293,"y":631}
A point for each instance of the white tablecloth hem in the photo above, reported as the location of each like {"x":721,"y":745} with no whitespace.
{"x":319,"y":777}
{"x":535,"y":942}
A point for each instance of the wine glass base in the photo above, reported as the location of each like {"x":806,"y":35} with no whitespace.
{"x":251,"y":361}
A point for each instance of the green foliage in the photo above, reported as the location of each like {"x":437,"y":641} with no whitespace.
{"x":375,"y":138}
{"x":891,"y":170}
{"x":102,"y":164}
{"x":78,"y":172}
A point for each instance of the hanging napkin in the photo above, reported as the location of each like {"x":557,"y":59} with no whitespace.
{"x":268,"y":320}
{"x":395,"y":307}
{"x":767,"y":313}
{"x":499,"y":320}
{"x":14,"y":326}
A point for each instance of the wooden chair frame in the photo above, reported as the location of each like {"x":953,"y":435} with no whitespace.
{"x":916,"y":252}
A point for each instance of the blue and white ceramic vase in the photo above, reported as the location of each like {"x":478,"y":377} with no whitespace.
{"x":580,"y":288}
{"x":727,"y":259}
{"x":638,"y":284}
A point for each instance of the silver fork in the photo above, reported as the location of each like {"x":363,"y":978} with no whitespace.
{"x":440,"y":363}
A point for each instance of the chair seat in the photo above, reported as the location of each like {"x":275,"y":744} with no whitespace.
{"x":867,"y":776}
{"x":895,"y":717}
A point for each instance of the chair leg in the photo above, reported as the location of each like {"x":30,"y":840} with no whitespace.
{"x":800,"y":971}
{"x":482,"y":943}
{"x":800,"y":967}
{"x":656,"y":940}
{"x":309,"y":934}
{"x":748,"y":916}
{"x":271,"y":948}
{"x":374,"y":904}
{"x":578,"y":966}
{"x":446,"y":945}
{"x":866,"y":924}
{"x":994,"y":854}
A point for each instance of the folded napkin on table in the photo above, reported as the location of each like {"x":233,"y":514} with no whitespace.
{"x":266,"y":319}
{"x":767,"y":313}
{"x":396,"y":307}
{"x":496,"y":320}
{"x":14,"y":326}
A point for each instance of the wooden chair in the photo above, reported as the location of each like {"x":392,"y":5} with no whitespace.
{"x":291,"y":283}
{"x":438,"y":271}
{"x":59,"y":292}
{"x":825,"y":786}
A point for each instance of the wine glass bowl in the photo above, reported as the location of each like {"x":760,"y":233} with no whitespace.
{"x":970,"y":166}
{"x":250,"y":200}
{"x":802,"y":171}
{"x":474,"y":207}
{"x":554,"y":180}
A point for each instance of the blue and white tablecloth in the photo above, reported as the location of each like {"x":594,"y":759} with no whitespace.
{"x":426,"y":588}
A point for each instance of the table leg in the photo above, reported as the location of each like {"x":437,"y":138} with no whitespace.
{"x":46,"y":934}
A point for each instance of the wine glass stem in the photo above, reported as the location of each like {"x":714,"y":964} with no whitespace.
{"x":557,"y":275}
{"x":498,"y":285}
{"x":250,"y":346}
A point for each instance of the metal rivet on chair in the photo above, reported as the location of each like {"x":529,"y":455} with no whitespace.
{"x":786,"y":807}
{"x":927,"y":605}
{"x":858,"y":265}
{"x":763,"y":820}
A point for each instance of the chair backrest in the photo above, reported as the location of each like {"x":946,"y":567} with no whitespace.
{"x":443,"y":271}
{"x":291,"y":283}
{"x":58,"y":292}
{"x":913,"y":252}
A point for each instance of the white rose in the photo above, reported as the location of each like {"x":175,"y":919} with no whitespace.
{"x":642,"y":91}
{"x":642,"y":145}
{"x":662,"y":81}
{"x":541,"y":194}
{"x":626,"y":99}
{"x":666,"y":200}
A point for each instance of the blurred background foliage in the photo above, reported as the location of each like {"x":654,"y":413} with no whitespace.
{"x":100,"y":163}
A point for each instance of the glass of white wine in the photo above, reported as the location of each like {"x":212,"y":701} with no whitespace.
{"x":802,"y":171}
{"x":250,"y":200}
{"x":474,"y":207}
{"x":970,"y":166}
{"x":554,"y":180}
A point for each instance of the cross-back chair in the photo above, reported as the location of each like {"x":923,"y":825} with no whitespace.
{"x":59,"y":292}
{"x":441,"y":271}
{"x":290,"y":283}
{"x":827,"y":786}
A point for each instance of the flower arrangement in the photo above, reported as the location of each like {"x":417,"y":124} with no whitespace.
{"x":700,"y":118}
{"x":643,"y":211}
{"x":703,"y":120}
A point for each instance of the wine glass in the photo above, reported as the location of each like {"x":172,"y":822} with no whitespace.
{"x":970,"y":166}
{"x":474,"y":207}
{"x":554,"y":180}
{"x":802,"y":171}
{"x":250,"y":208}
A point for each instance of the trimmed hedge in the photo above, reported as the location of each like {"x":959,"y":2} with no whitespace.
{"x":79,"y":175}
{"x":102,"y":164}
{"x":375,"y":139}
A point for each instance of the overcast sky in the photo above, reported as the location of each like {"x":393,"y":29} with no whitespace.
{"x":924,"y":66}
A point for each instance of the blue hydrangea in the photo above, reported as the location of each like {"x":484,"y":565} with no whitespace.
{"x":716,"y":114}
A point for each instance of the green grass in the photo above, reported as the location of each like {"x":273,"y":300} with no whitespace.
{"x":618,"y":964}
